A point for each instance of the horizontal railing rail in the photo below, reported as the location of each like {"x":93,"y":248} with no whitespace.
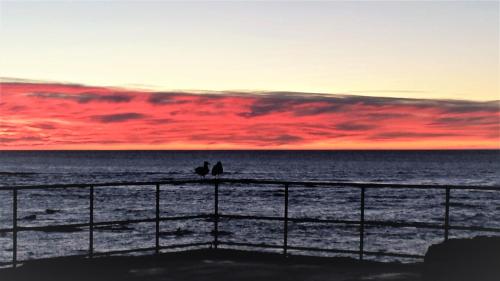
{"x":215,"y":216}
{"x":330,"y":184}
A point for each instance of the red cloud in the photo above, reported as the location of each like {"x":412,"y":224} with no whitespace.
{"x":68,"y":116}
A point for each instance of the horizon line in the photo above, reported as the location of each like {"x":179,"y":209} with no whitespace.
{"x":264,"y":150}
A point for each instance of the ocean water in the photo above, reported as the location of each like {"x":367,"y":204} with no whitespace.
{"x":44,"y":207}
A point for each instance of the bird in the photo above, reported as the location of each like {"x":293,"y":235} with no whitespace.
{"x":217,"y":169}
{"x":202,"y":170}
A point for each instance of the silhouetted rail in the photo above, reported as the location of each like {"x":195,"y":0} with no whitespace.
{"x":215,"y":216}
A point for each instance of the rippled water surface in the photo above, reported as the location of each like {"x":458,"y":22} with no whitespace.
{"x":43,"y":207}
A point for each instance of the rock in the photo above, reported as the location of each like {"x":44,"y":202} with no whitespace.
{"x":463,"y":260}
{"x":182,"y":232}
{"x":51,"y":211}
{"x":62,"y":229}
{"x":29,"y":217}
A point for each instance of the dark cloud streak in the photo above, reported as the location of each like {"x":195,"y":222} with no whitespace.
{"x":310,"y":104}
{"x":411,"y":135}
{"x":348,"y":126}
{"x":120,"y":117}
{"x":85,"y":97}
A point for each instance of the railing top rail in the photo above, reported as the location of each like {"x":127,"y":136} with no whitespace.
{"x":331,"y":184}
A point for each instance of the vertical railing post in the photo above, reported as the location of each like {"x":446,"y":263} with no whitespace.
{"x":216,"y":214}
{"x":447,"y":214}
{"x":157,"y":232}
{"x":91,"y":221}
{"x":14,"y":227}
{"x":362,"y":224}
{"x":285,"y":223}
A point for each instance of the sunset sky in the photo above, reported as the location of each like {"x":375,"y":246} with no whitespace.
{"x":249,"y":75}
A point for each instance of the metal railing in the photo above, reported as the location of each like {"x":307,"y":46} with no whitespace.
{"x":216,"y":216}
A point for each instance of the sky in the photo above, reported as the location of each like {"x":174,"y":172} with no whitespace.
{"x":249,"y":75}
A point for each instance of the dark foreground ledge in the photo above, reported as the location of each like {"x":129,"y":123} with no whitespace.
{"x":476,"y":259}
{"x":220,"y":265}
{"x":467,"y":259}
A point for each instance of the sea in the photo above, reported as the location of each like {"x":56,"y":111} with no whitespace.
{"x":59,"y":206}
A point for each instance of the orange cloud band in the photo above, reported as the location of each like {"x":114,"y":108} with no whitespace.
{"x":69,"y":116}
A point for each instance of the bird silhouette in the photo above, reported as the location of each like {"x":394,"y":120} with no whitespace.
{"x":217,"y":169}
{"x":202,"y":171}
